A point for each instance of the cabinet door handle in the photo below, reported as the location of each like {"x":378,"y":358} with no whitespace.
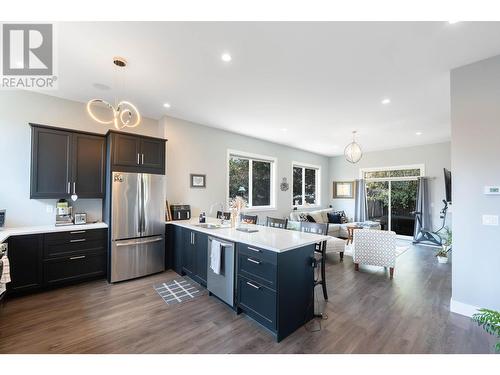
{"x":78,"y":257}
{"x":253,"y":285}
{"x":78,"y":232}
{"x":69,"y":188}
{"x":138,"y":158}
{"x":79,"y":240}
{"x":253,"y":260}
{"x":253,"y":249}
{"x":74,"y":187}
{"x":142,"y":159}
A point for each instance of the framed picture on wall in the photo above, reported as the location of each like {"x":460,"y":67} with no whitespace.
{"x":343,"y":189}
{"x":198,"y":180}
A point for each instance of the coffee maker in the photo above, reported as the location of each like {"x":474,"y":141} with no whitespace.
{"x":64,"y":213}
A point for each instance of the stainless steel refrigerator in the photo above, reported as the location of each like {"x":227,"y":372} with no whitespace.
{"x":137,"y":225}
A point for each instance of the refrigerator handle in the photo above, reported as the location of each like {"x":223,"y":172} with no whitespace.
{"x":139,"y":206}
{"x":143,"y":214}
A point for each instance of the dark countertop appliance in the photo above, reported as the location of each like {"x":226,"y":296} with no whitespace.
{"x":180,"y":211}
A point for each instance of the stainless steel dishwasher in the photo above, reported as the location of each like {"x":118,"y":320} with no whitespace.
{"x":222,"y":284}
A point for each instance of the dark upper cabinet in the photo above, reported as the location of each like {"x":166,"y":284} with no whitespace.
{"x":50,"y":163}
{"x":66,"y":162}
{"x":25,"y":255}
{"x":136,"y":154}
{"x":126,"y":150}
{"x":153,"y":153}
{"x":89,"y":153}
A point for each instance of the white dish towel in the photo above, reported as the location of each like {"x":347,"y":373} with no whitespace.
{"x":5,"y":278}
{"x":215,"y":256}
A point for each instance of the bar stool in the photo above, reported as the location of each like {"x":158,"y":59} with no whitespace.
{"x":320,"y":250}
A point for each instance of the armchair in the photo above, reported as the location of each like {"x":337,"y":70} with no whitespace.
{"x":375,"y":248}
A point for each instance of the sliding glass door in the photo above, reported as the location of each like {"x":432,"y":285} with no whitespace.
{"x":403,"y":203}
{"x":392,"y":197}
{"x":377,"y":195}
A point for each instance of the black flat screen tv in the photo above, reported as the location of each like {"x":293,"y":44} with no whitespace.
{"x":447,"y":184}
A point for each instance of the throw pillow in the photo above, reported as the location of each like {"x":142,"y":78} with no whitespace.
{"x":310,"y":219}
{"x":334,"y":218}
{"x":302,"y":217}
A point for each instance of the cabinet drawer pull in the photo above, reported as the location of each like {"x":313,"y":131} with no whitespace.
{"x":142,"y":159}
{"x":253,"y":249}
{"x":78,"y":257}
{"x":253,"y":285}
{"x":253,"y":261}
{"x":79,"y":240}
{"x":78,"y":232}
{"x":138,"y":159}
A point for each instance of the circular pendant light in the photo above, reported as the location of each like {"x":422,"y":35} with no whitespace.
{"x":352,"y":151}
{"x":124,"y":115}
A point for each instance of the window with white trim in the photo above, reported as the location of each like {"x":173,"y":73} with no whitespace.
{"x":251,"y":177}
{"x":305,"y":185}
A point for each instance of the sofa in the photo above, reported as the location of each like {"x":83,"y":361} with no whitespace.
{"x":321,"y":216}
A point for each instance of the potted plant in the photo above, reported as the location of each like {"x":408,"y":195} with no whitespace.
{"x":489,"y":320}
{"x":446,"y":239}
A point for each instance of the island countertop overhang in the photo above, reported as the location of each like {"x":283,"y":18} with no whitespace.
{"x":272,"y":239}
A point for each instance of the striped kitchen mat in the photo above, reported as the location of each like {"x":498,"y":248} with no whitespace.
{"x":179,"y":290}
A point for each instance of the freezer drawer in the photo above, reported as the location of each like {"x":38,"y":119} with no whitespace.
{"x":137,"y":257}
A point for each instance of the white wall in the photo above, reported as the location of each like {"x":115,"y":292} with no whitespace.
{"x":17,"y":109}
{"x":194,"y":148}
{"x":475,"y":156}
{"x":435,"y":157}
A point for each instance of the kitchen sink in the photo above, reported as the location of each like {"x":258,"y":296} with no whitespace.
{"x":211,"y":225}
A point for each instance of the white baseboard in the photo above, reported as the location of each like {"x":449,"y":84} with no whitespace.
{"x":462,"y":308}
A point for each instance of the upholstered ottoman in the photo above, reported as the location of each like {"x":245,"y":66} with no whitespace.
{"x":336,"y":245}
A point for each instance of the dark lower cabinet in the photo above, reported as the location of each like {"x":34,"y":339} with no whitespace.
{"x":50,"y":259}
{"x":189,"y":252}
{"x":194,"y":255}
{"x":276,"y":289}
{"x":201,"y":255}
{"x":25,"y":255}
{"x":74,"y":268}
{"x":258,"y":301}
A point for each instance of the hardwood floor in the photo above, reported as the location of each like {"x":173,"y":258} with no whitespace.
{"x":367,"y":313}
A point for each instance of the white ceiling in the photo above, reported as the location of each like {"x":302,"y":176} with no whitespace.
{"x":319,"y":81}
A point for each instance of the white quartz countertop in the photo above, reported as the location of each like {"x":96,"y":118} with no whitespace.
{"x":273,"y":239}
{"x":5,"y":233}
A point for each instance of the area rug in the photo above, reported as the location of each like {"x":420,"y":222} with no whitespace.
{"x":401,"y":250}
{"x":178,"y":290}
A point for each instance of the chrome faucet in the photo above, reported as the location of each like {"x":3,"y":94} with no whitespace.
{"x":221,"y":206}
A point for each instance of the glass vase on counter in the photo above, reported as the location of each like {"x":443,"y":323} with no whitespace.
{"x":236,"y":205}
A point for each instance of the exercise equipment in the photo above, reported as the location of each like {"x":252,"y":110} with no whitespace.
{"x":427,"y":236}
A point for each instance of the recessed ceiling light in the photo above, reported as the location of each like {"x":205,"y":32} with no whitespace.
{"x":166,"y":105}
{"x":452,"y":22}
{"x":386,"y":101}
{"x":418,"y":133}
{"x":284,"y":130}
{"x":226,"y":57}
